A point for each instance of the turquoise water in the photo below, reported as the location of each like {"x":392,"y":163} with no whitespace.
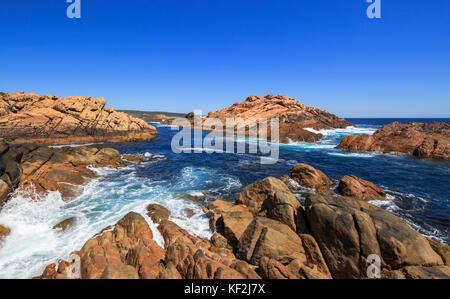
{"x":418,"y":192}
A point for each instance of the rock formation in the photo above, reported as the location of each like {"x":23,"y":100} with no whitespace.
{"x":342,"y":233}
{"x":309,"y":177}
{"x":48,"y":119}
{"x":353,"y":186}
{"x":430,"y":140}
{"x":349,"y":230}
{"x":43,"y":169}
{"x":293,"y":116}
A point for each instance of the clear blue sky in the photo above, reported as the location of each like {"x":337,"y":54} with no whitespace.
{"x":181,"y":55}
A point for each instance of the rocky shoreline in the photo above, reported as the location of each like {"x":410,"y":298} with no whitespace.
{"x":267,"y":233}
{"x":45,"y":120}
{"x":418,"y":139}
{"x":294,"y":117}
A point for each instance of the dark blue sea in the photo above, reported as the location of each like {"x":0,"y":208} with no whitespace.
{"x":418,"y":192}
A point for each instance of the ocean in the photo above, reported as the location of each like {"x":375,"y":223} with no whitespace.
{"x":418,"y":192}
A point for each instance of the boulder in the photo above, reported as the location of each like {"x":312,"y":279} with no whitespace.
{"x":309,"y":177}
{"x":229,"y":220}
{"x":349,"y":230}
{"x":353,"y":186}
{"x":273,"y":269}
{"x":270,"y":238}
{"x":273,"y":198}
{"x":197,"y":258}
{"x":157,"y":213}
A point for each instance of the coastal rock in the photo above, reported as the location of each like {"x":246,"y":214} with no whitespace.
{"x":228,"y":219}
{"x":273,"y":198}
{"x":134,"y":158}
{"x":129,"y":243}
{"x":293,"y":116}
{"x":125,"y":251}
{"x":353,"y":186}
{"x":197,"y":258}
{"x":442,"y":250}
{"x":65,"y":224}
{"x":273,"y":269}
{"x":119,"y":271}
{"x":270,"y":238}
{"x":157,"y":213}
{"x":4,"y":231}
{"x":43,"y":169}
{"x":431,"y":140}
{"x":309,"y":177}
{"x":51,"y":120}
{"x":416,"y":272}
{"x":349,"y":230}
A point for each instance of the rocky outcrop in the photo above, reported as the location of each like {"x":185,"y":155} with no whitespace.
{"x":349,"y":230}
{"x":309,"y":177}
{"x":430,"y":140}
{"x":126,"y":251}
{"x":48,"y":119}
{"x":293,"y":116}
{"x":197,"y":258}
{"x":353,"y":186}
{"x":229,"y":220}
{"x":42,"y":169}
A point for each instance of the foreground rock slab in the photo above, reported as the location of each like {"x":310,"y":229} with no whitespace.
{"x":349,"y":230}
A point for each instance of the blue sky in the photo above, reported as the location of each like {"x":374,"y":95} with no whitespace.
{"x":179,"y":55}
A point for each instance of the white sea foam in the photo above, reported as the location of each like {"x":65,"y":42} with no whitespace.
{"x":33,"y":243}
{"x":353,"y":155}
{"x":350,"y":130}
{"x":74,"y":145}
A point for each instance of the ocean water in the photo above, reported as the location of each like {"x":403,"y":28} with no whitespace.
{"x":418,"y":192}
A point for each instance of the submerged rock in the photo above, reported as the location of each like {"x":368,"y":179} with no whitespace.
{"x":431,"y":140}
{"x":353,"y":186}
{"x":64,"y":225}
{"x":4,"y":231}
